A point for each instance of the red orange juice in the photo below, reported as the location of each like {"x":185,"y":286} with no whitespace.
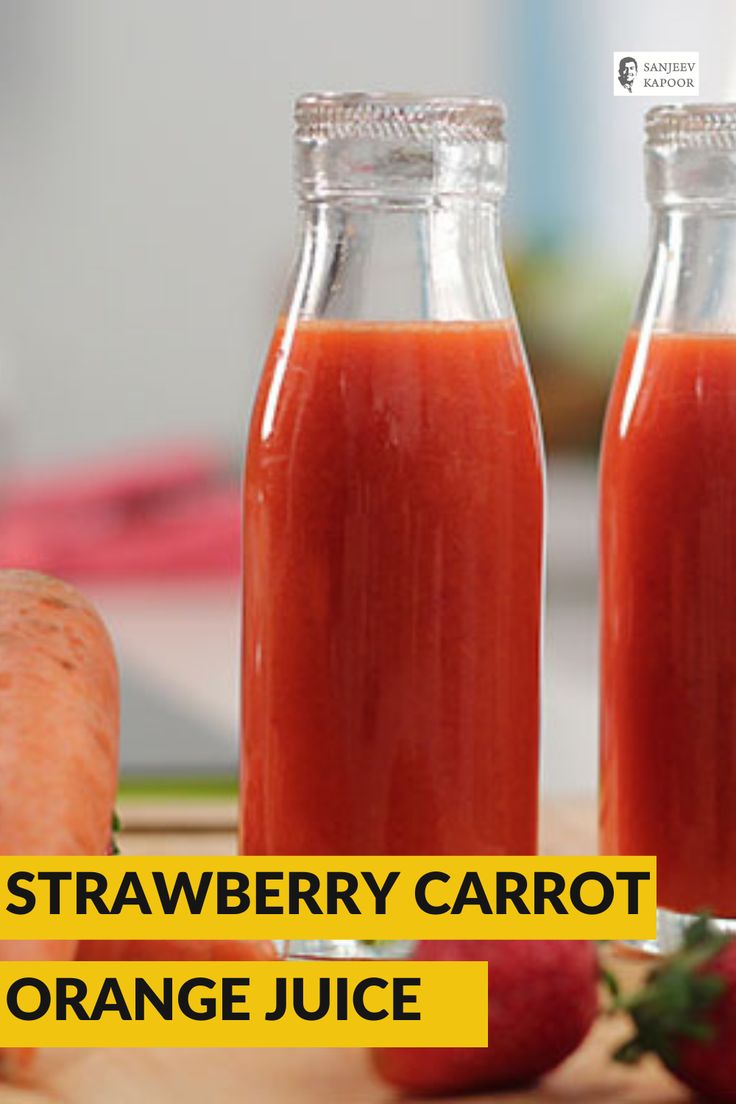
{"x":669,"y":613}
{"x":393,"y":552}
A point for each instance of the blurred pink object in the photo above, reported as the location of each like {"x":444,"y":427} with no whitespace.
{"x":172,"y":511}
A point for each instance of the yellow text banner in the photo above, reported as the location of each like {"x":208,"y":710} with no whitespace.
{"x":241,"y":1004}
{"x":328,"y":897}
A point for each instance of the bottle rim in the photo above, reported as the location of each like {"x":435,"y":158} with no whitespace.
{"x":325,"y":116}
{"x":691,"y":125}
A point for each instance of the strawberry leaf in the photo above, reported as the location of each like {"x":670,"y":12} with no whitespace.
{"x":675,"y":1002}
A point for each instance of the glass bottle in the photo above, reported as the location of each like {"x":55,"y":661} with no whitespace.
{"x":668,"y":534}
{"x":393,"y":505}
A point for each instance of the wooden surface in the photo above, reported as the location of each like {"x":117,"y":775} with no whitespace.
{"x":313,"y":1076}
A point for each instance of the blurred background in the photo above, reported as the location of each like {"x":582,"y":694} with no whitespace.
{"x":146,"y":229}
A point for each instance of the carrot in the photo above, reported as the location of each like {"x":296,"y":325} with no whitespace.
{"x":59,"y":722}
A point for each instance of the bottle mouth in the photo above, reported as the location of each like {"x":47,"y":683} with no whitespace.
{"x":704,"y":125}
{"x":322,"y":116}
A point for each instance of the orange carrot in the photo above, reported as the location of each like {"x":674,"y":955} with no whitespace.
{"x":59,"y":721}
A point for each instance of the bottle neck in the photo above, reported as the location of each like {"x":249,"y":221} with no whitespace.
{"x":389,"y":260}
{"x":690,"y":161}
{"x":690,"y":285}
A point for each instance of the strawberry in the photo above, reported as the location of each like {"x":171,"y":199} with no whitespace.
{"x":686,"y":1013}
{"x":542,"y":999}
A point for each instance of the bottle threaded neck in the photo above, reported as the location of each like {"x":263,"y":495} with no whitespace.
{"x":324,"y":116}
{"x":700,"y":126}
{"x":398,"y":148}
{"x":691,"y":156}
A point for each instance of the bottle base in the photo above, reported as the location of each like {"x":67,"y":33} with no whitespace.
{"x":671,"y":928}
{"x":346,"y":949}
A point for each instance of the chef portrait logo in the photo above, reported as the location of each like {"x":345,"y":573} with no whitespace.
{"x":656,"y":73}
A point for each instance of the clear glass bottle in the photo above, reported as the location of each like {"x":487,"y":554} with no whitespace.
{"x":393,"y":506}
{"x":668,"y":534}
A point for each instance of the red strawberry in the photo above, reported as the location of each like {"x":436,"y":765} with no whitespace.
{"x":686,"y":1013}
{"x":542,"y":999}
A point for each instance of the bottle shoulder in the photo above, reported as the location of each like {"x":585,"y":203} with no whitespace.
{"x":671,"y":381}
{"x":408,"y":382}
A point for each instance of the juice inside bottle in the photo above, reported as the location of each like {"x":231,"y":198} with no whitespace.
{"x":393,"y":573}
{"x":669,"y":527}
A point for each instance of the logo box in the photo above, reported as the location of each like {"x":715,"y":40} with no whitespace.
{"x":671,"y":73}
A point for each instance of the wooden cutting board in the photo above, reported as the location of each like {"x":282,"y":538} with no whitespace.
{"x":316,"y":1076}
